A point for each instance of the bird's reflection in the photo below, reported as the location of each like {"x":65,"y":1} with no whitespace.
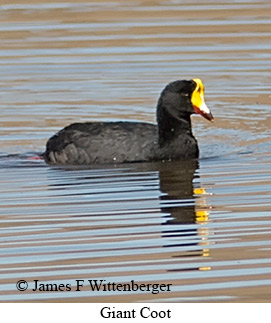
{"x":183,"y":204}
{"x":177,"y":192}
{"x":183,"y":207}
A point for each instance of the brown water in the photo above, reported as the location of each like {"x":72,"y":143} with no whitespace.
{"x":204,"y":228}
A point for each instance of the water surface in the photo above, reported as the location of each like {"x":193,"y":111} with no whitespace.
{"x":203,"y":226}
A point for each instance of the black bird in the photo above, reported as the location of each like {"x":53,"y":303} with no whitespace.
{"x":124,"y":142}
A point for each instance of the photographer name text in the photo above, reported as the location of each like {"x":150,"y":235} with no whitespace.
{"x":100,"y":285}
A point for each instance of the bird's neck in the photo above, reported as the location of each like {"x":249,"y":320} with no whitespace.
{"x":170,"y":127}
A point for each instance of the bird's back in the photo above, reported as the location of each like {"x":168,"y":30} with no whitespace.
{"x":100,"y":143}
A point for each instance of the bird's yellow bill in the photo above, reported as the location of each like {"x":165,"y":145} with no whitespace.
{"x":197,"y":99}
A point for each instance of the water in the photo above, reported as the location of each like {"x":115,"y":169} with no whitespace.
{"x":205,"y":226}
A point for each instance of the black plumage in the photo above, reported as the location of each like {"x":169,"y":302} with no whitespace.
{"x":120,"y":142}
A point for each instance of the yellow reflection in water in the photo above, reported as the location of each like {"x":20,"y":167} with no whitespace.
{"x":202,"y":217}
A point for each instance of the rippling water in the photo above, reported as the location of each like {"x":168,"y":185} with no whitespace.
{"x":204,"y":227}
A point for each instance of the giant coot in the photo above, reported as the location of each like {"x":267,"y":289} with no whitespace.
{"x":124,"y":142}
